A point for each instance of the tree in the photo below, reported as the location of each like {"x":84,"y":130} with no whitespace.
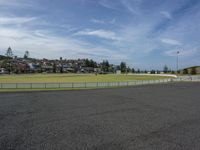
{"x":193,"y":71}
{"x":105,"y":65}
{"x":54,"y":67}
{"x":185,"y":71}
{"x":173,"y":72}
{"x":61,"y":66}
{"x":128,"y":69}
{"x":9,"y":52}
{"x":153,"y":71}
{"x":87,"y":62}
{"x":123,"y":67}
{"x":165,"y":70}
{"x":26,"y":54}
{"x":90,"y":63}
{"x":133,"y":70}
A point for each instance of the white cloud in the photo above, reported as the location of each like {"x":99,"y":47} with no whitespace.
{"x":103,"y":21}
{"x":99,"y":33}
{"x":15,"y":20}
{"x":107,"y":4}
{"x":183,"y":53}
{"x":17,"y":3}
{"x":41,"y":43}
{"x":97,"y":21}
{"x":166,"y":14}
{"x":131,"y":8}
{"x":170,"y":41}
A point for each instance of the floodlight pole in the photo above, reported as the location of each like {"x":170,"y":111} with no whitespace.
{"x":177,"y":61}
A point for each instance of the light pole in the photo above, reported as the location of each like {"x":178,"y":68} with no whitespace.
{"x":177,"y":62}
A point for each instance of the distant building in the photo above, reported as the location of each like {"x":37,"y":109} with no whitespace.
{"x":118,"y":71}
{"x":3,"y":71}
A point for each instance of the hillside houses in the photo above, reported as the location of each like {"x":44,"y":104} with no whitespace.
{"x":30,"y":65}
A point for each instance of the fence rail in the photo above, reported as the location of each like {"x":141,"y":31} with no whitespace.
{"x":78,"y":85}
{"x":93,"y":84}
{"x":188,"y":78}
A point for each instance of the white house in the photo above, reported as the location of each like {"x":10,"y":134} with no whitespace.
{"x":2,"y":70}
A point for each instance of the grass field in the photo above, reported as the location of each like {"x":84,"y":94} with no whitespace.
{"x":59,"y":78}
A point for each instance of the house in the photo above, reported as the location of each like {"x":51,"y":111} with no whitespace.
{"x":87,"y":69}
{"x":3,"y":71}
{"x":34,"y":67}
{"x":47,"y":68}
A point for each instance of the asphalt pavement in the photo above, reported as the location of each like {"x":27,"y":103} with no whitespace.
{"x":151,"y":117}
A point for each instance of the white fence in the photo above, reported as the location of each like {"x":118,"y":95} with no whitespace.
{"x":93,"y":84}
{"x":78,"y":85}
{"x":194,"y":78}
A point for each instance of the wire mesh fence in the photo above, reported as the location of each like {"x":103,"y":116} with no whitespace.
{"x":78,"y":85}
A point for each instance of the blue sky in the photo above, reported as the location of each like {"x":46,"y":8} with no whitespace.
{"x":144,"y":33}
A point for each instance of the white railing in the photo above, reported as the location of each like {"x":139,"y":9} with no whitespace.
{"x":79,"y":85}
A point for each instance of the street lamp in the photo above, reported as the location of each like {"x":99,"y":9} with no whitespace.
{"x":177,"y":61}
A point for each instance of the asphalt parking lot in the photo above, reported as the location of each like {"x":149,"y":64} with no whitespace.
{"x":152,"y":117}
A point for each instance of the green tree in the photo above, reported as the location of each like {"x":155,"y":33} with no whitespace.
{"x":165,"y":70}
{"x":123,"y":67}
{"x":54,"y":67}
{"x":9,"y":52}
{"x":61,"y":65}
{"x":185,"y":71}
{"x":105,"y":65}
{"x":90,"y":63}
{"x":133,"y":70}
{"x":87,"y":62}
{"x":153,"y":71}
{"x":26,"y":54}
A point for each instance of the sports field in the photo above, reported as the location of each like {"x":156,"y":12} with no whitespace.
{"x":57,"y":78}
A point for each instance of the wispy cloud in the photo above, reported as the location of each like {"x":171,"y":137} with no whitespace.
{"x":17,"y":3}
{"x":166,"y":14}
{"x":99,"y":21}
{"x":170,"y":41}
{"x":15,"y":20}
{"x":183,"y":53}
{"x":107,"y":4}
{"x":132,"y":8}
{"x":99,"y":33}
{"x":42,"y":43}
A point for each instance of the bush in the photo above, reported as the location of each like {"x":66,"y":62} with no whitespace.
{"x":185,"y":71}
{"x":193,"y":71}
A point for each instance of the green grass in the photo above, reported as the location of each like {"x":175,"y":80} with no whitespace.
{"x":60,"y":78}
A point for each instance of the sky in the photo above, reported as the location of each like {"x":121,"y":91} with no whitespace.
{"x":146,"y":34}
